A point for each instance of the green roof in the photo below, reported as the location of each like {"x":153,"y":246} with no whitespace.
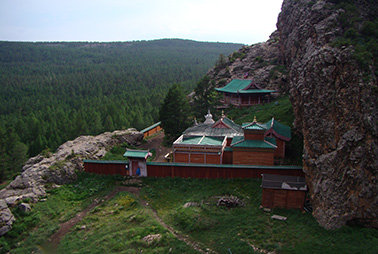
{"x":150,"y":127}
{"x":202,"y":140}
{"x":241,"y":86}
{"x":280,"y":130}
{"x":106,"y":162}
{"x":269,"y":143}
{"x":212,"y":141}
{"x":253,"y":126}
{"x":136,"y":153}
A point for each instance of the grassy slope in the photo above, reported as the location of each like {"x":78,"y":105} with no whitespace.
{"x":118,"y":225}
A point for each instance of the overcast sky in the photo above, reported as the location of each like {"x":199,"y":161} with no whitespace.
{"x":240,"y":21}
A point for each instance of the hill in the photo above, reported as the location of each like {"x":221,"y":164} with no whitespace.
{"x":55,"y":91}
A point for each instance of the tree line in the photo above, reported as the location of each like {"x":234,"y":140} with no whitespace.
{"x":54,"y":92}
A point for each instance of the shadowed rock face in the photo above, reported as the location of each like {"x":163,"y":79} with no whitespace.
{"x":58,"y":168}
{"x":336,"y":111}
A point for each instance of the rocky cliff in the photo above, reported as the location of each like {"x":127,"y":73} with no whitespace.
{"x":335,"y":104}
{"x":58,"y":168}
{"x":333,"y":88}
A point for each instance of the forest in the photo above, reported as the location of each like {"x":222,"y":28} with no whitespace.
{"x":52,"y":92}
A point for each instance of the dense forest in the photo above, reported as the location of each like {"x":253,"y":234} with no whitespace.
{"x":52,"y":92}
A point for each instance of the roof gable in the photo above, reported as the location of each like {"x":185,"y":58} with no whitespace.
{"x":278,"y":130}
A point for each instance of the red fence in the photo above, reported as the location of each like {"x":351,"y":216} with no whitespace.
{"x":162,"y":169}
{"x":156,"y":169}
{"x":107,"y":167}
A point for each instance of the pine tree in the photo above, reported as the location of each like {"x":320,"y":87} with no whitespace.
{"x":174,"y":113}
{"x":205,"y":97}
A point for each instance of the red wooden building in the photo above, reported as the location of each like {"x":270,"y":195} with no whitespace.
{"x":155,"y":128}
{"x":243,"y":92}
{"x":253,"y":148}
{"x":284,"y":191}
{"x":250,"y":144}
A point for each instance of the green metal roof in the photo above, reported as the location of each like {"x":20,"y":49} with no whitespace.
{"x":212,"y":141}
{"x":191,"y":140}
{"x":242,"y":143}
{"x":106,"y":162}
{"x":253,"y":126}
{"x":240,"y":86}
{"x":279,"y":128}
{"x":136,"y":153}
{"x":150,"y":127}
{"x":202,"y":140}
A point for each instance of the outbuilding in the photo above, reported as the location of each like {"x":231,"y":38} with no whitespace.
{"x":283,"y":191}
{"x":137,"y":161}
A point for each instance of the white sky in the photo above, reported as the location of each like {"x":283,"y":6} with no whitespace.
{"x":240,"y":21}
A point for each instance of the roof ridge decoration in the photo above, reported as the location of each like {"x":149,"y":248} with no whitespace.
{"x":255,"y":123}
{"x":209,"y":118}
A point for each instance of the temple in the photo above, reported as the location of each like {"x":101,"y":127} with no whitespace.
{"x":243,"y":92}
{"x":225,"y":142}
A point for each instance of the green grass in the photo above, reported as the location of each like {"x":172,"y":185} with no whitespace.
{"x":221,"y":228}
{"x":120,"y":224}
{"x":281,"y":110}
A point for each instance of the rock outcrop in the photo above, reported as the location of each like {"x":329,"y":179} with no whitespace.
{"x":335,"y":108}
{"x":334,"y":97}
{"x":260,"y":61}
{"x":58,"y":168}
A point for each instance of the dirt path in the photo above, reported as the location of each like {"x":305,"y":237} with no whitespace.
{"x":68,"y":225}
{"x":156,"y":143}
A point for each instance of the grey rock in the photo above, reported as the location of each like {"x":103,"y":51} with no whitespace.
{"x":24,"y":207}
{"x":58,"y":168}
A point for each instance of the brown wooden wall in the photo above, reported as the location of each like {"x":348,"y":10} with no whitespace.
{"x":280,"y":151}
{"x":272,"y":198}
{"x":106,"y":168}
{"x":181,"y":157}
{"x":227,"y":157}
{"x":199,"y":171}
{"x":155,"y":169}
{"x":152,"y":131}
{"x":254,"y":136}
{"x":247,"y":157}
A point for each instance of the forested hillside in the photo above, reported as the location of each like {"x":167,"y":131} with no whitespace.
{"x":53,"y":92}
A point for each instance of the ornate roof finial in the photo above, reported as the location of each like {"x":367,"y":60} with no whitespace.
{"x":209,"y":118}
{"x":254,"y":119}
{"x":223,"y":116}
{"x":195,"y":121}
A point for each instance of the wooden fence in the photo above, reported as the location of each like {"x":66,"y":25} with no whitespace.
{"x":164,"y":169}
{"x":107,"y":167}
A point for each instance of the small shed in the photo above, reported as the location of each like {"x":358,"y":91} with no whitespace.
{"x":283,"y":191}
{"x":137,"y":161}
{"x":151,"y":130}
